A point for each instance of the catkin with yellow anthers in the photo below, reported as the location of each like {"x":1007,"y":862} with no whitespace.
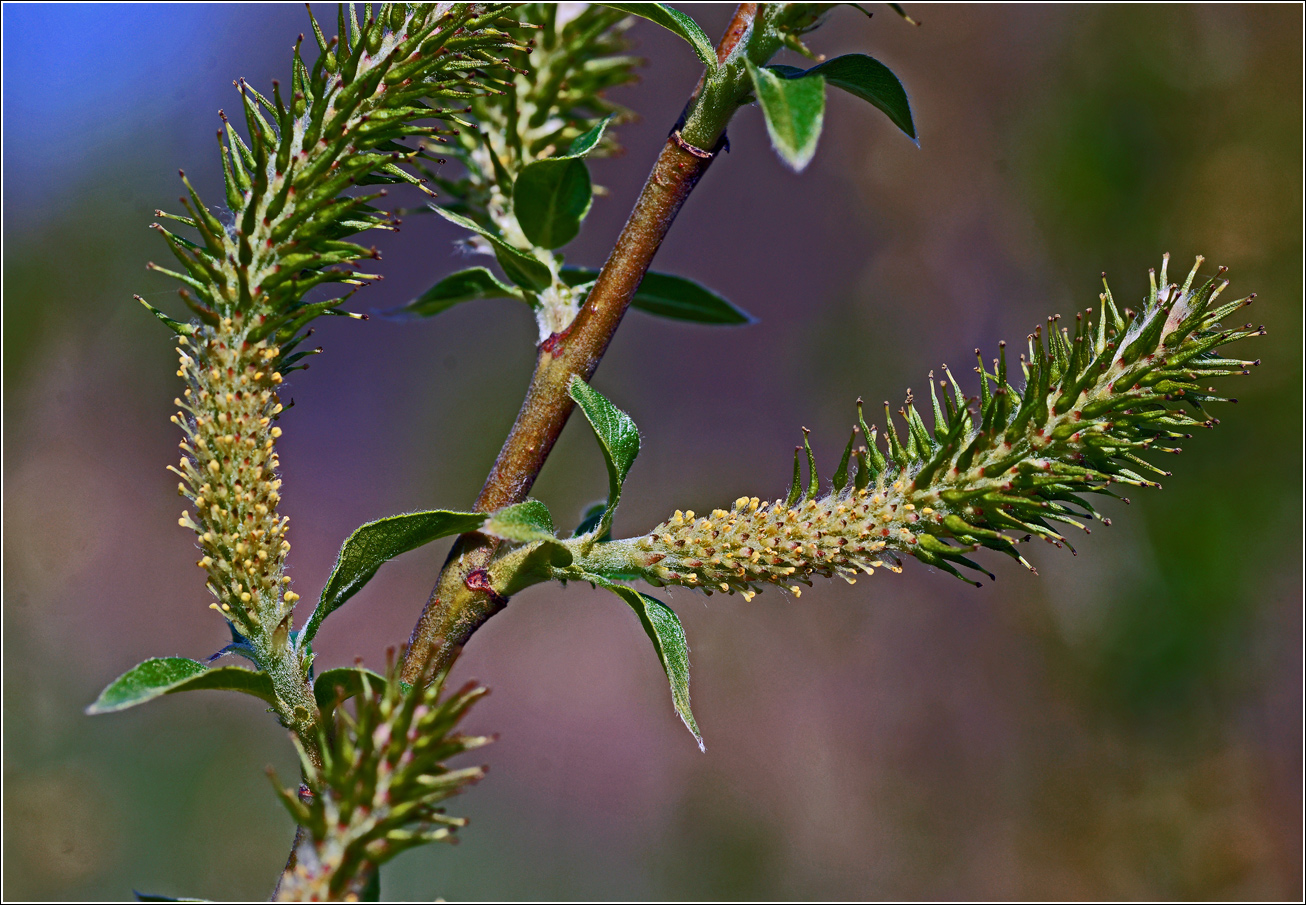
{"x":1015,"y":467}
{"x":758,"y":543}
{"x":229,"y":472}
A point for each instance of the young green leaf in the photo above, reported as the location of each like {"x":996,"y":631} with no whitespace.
{"x":617,"y":435}
{"x":794,"y":111}
{"x":863,"y":77}
{"x":523,"y":523}
{"x":591,"y":520}
{"x":340,"y":684}
{"x":674,"y":297}
{"x":588,"y":141}
{"x":463,"y":286}
{"x":523,"y":269}
{"x":530,"y":564}
{"x":676,"y":21}
{"x":551,"y":198}
{"x":668,"y":636}
{"x":375,"y":544}
{"x":167,"y":675}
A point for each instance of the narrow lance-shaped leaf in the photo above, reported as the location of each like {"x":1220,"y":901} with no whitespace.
{"x":375,"y":544}
{"x":675,"y":297}
{"x":663,"y":628}
{"x":863,"y":77}
{"x":794,"y":111}
{"x":676,"y":21}
{"x":618,"y":437}
{"x":167,"y":675}
{"x":522,"y":268}
{"x":463,"y":286}
{"x":523,"y":523}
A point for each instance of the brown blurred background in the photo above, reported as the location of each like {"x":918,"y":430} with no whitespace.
{"x":1127,"y":724}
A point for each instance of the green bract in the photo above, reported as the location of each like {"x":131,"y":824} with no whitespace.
{"x":795,"y":112}
{"x":618,"y":438}
{"x":663,"y":628}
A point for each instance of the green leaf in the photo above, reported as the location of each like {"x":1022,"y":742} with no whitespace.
{"x":864,"y":77}
{"x":463,"y":286}
{"x":168,"y":675}
{"x":524,"y":269}
{"x":794,"y":109}
{"x":663,"y":628}
{"x":523,"y":523}
{"x":375,"y":544}
{"x":676,"y":21}
{"x":591,"y":520}
{"x":678,"y":298}
{"x":617,"y":435}
{"x":340,"y":684}
{"x":551,"y":198}
{"x":583,"y":144}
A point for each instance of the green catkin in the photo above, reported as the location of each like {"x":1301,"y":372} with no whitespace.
{"x":382,"y":779}
{"x":247,"y":281}
{"x":1014,"y":469}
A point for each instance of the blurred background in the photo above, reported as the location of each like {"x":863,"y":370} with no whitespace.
{"x":1127,"y":724}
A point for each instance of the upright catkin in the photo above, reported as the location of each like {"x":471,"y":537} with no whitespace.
{"x":1014,"y":467}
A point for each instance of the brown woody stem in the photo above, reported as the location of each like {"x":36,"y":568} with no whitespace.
{"x":461,"y":603}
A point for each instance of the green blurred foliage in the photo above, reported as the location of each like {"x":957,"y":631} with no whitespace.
{"x":1181,"y":130}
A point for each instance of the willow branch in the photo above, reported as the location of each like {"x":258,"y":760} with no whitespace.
{"x":463,"y":599}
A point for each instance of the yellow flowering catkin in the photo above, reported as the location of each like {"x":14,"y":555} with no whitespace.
{"x":228,"y":470}
{"x":1013,"y":467}
{"x":770,"y":543}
